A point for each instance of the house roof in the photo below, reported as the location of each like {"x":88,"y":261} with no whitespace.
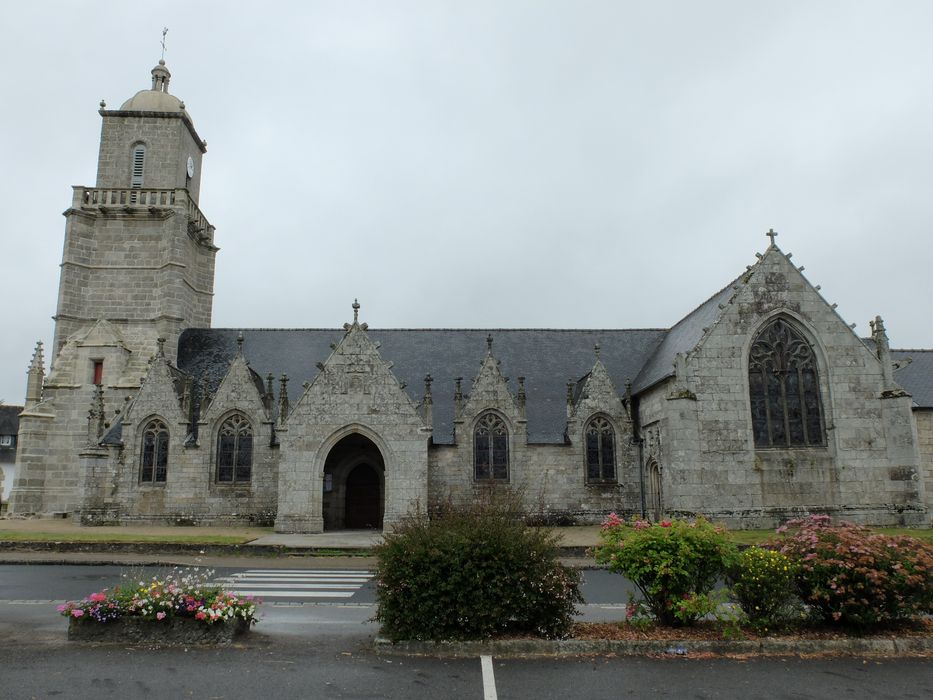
{"x":547,"y":358}
{"x":9,"y":419}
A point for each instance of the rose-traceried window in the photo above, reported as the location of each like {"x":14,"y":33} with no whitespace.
{"x":784,"y":388}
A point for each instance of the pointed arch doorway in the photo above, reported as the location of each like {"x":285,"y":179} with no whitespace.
{"x":354,"y":485}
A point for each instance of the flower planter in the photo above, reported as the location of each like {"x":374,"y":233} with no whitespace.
{"x":176,"y":631}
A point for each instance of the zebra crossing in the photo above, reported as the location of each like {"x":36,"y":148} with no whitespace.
{"x":271,"y":584}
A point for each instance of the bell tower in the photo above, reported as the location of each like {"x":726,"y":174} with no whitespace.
{"x":139,"y":253}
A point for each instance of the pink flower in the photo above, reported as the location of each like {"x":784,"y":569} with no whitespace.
{"x":199,"y":615}
{"x":77,"y":612}
{"x":665,"y":523}
{"x":160,"y":616}
{"x":97,"y":597}
{"x":62,"y":608}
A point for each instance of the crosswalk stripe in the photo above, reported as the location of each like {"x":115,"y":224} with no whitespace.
{"x":278,"y":583}
{"x":294,"y":594}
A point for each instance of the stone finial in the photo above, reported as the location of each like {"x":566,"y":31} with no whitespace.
{"x":520,"y":396}
{"x":458,"y":396}
{"x":103,"y":105}
{"x":356,"y":310}
{"x":427,"y":404}
{"x":35,"y":377}
{"x":489,"y":344}
{"x":160,"y":342}
{"x":283,"y":398}
{"x":771,"y":234}
{"x":270,"y":384}
{"x":428,"y":380}
{"x":883,"y":351}
{"x":239,"y":343}
{"x":570,"y":385}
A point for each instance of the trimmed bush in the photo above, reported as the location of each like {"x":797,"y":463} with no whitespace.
{"x":471,"y":573}
{"x":675,"y":563}
{"x":762,"y":583}
{"x":851,"y":576}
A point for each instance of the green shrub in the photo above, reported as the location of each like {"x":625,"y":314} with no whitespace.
{"x":762,"y":584}
{"x":470,"y":573}
{"x":851,"y":576}
{"x":674,"y":564}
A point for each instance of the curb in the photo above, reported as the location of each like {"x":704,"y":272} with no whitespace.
{"x":161,"y":548}
{"x":517,"y":648}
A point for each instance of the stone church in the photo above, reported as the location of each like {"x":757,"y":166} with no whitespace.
{"x":759,"y":405}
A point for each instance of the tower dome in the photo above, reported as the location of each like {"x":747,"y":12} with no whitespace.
{"x":157,"y":98}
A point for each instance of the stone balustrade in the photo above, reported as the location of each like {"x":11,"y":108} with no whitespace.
{"x":104,"y":197}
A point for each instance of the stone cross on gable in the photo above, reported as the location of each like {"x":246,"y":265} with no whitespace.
{"x":771,"y":234}
{"x":356,"y":310}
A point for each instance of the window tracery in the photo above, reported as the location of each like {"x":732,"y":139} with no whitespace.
{"x":600,"y":450}
{"x":154,"y":453}
{"x":235,"y":450}
{"x":784,"y":388}
{"x":490,"y":449}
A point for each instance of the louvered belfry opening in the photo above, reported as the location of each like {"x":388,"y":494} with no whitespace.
{"x":138,"y":166}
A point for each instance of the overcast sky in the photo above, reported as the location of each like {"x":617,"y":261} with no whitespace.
{"x":493,"y":164}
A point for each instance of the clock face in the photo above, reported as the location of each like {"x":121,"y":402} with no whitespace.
{"x":190,"y":166}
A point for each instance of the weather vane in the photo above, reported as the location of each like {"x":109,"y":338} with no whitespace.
{"x":164,"y":32}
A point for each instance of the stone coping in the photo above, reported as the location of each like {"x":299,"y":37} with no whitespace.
{"x":770,"y":646}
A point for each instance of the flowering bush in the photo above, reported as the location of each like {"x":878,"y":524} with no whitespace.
{"x":762,"y":583}
{"x":851,"y":576}
{"x":674,"y":563}
{"x":179,"y":594}
{"x":470,"y":573}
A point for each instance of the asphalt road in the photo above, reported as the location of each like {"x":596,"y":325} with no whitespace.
{"x":30,"y":582}
{"x":322,"y":649}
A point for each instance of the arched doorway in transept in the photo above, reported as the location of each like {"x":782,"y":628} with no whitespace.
{"x":354,"y":485}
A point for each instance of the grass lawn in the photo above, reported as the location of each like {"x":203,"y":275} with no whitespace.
{"x":92,"y":537}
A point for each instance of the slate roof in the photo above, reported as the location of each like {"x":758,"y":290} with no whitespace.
{"x":917,"y":377}
{"x":548,"y":359}
{"x":682,"y":338}
{"x":9,"y":419}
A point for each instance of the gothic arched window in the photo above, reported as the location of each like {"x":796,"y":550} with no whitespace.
{"x":235,"y":450}
{"x":784,"y":388}
{"x":154,"y":454}
{"x":490,"y":448}
{"x":600,"y":450}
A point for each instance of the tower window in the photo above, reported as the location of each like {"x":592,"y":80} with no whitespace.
{"x":139,"y":161}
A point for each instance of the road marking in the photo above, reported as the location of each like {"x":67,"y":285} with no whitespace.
{"x":292,"y":583}
{"x":489,"y":678}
